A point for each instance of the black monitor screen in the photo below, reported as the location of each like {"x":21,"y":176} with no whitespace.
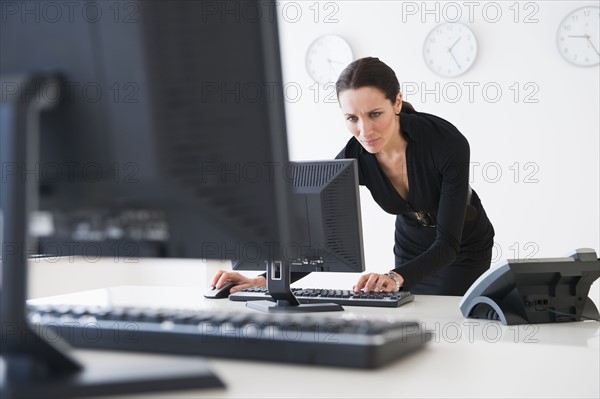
{"x":327,"y":227}
{"x":168,"y":136}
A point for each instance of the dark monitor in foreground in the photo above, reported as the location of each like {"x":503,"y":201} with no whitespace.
{"x":169,"y":133}
{"x":151,"y":134}
{"x":326,"y":227}
{"x":536,"y":291}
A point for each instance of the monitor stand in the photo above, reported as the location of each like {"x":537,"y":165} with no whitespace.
{"x":36,"y":365}
{"x":278,"y":285}
{"x":40,"y":373}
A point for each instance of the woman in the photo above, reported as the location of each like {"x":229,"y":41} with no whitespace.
{"x":416,"y":166}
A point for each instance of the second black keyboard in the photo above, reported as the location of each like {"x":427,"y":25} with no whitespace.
{"x":331,"y":341}
{"x":341,"y":297}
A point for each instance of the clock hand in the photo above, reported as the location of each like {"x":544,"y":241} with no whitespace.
{"x":451,"y":47}
{"x":337,"y":62}
{"x":592,"y":44}
{"x":454,"y":58}
{"x":587,"y":37}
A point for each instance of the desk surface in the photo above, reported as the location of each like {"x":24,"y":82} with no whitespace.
{"x":467,"y":358}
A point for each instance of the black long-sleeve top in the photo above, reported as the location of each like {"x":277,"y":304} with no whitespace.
{"x":437,"y":161}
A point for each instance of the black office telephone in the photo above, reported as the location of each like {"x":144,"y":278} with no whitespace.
{"x":536,"y":290}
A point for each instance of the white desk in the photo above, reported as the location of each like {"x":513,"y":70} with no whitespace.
{"x":467,"y":358}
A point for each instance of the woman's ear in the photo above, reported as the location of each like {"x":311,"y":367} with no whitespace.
{"x":398,"y":103}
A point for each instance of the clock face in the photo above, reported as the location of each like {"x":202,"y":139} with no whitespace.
{"x":578,"y":37}
{"x":327,"y":57}
{"x":450,"y":49}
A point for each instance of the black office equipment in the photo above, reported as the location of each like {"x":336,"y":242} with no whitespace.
{"x":169,"y":115}
{"x":219,"y":293}
{"x":166,"y":138}
{"x":326,"y":225}
{"x":326,"y":228}
{"x":298,"y":339}
{"x":536,"y":291}
{"x":340,"y":297}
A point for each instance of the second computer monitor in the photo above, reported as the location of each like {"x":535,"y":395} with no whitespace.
{"x":327,"y":227}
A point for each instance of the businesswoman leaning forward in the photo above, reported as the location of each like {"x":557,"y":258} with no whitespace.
{"x":416,"y":166}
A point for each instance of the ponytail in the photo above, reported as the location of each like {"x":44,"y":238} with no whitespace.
{"x":407,"y":108}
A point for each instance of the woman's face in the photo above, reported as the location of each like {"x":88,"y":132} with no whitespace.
{"x":371,"y":118}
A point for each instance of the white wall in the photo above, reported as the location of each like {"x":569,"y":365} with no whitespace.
{"x":551,"y":206}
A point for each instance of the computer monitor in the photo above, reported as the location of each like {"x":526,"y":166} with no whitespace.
{"x":137,"y":128}
{"x":536,"y":290}
{"x":170,"y":132}
{"x":326,"y":224}
{"x":326,"y":230}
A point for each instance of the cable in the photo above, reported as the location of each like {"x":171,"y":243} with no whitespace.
{"x":567,"y":314}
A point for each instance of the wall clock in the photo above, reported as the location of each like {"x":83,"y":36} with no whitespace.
{"x":578,"y":36}
{"x":450,"y":49}
{"x":327,"y":57}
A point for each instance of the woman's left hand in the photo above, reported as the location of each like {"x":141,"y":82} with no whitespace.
{"x":377,"y":283}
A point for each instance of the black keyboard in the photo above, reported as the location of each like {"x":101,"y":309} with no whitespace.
{"x":298,"y":339}
{"x":341,"y":297}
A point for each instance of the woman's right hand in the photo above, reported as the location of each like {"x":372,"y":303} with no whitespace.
{"x":241,"y":282}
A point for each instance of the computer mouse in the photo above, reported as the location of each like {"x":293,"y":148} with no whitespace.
{"x":218,"y":293}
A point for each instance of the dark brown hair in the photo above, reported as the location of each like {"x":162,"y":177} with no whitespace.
{"x":371,"y":72}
